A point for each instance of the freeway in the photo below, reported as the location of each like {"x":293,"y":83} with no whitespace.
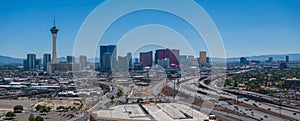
{"x":270,"y":107}
{"x":283,"y":111}
{"x":189,"y":87}
{"x":225,"y":115}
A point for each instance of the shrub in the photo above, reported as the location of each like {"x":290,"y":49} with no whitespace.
{"x":39,"y":118}
{"x":10,"y":114}
{"x":18,"y":109}
{"x":31,"y":117}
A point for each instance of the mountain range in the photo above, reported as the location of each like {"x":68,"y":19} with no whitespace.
{"x":263,"y":58}
{"x":6,"y":60}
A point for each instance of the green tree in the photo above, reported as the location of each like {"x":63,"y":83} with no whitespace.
{"x":44,"y":109}
{"x":112,"y":99}
{"x":49,"y":109}
{"x":10,"y":114}
{"x":38,"y":107}
{"x":60,"y":107}
{"x":73,"y":108}
{"x":39,"y":118}
{"x":18,"y":109}
{"x":120,"y":93}
{"x":31,"y":117}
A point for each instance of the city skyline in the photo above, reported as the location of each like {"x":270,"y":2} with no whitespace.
{"x":243,"y":31}
{"x":154,"y":60}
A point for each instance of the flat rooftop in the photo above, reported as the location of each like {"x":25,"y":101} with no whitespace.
{"x":150,"y":112}
{"x":126,"y":112}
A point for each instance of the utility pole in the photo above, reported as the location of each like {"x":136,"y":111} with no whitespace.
{"x":238,"y":107}
{"x":195,"y":83}
{"x":280,"y":103}
{"x":174,"y":90}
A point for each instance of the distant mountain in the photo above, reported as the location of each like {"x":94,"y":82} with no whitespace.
{"x":97,"y":59}
{"x":292,"y":57}
{"x":61,"y":59}
{"x":5,"y":60}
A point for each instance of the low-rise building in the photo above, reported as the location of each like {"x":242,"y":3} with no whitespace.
{"x":292,"y":81}
{"x":149,"y":112}
{"x":63,"y":67}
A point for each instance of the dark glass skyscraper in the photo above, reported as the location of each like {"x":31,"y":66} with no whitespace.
{"x":106,"y":62}
{"x":31,"y":63}
{"x":46,"y":60}
{"x":270,"y":59}
{"x":287,"y":59}
{"x":108,"y":57}
{"x":244,"y":61}
{"x":70,"y":59}
{"x":129,"y":56}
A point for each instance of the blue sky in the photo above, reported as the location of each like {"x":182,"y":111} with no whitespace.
{"x":247,"y":27}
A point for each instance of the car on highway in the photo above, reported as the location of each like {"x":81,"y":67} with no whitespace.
{"x":254,"y":104}
{"x":212,"y":117}
{"x":248,"y":109}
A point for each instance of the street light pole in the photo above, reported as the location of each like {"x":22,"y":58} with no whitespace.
{"x":194,"y":78}
{"x":238,"y":110}
{"x":174,"y":90}
{"x":280,"y":103}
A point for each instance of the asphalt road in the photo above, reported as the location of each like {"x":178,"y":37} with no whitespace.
{"x":256,"y":114}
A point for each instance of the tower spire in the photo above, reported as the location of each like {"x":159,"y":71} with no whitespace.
{"x":54,"y":21}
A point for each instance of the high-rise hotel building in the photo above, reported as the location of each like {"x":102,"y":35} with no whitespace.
{"x":171,"y":54}
{"x":202,"y":55}
{"x":46,"y":61}
{"x":108,"y":57}
{"x":31,"y":63}
{"x":146,"y":58}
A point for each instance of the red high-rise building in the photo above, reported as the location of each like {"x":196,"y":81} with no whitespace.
{"x":146,"y":58}
{"x":171,"y":54}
